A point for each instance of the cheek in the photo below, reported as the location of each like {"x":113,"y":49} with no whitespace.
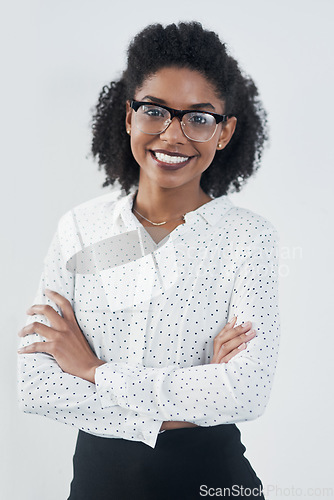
{"x":210,"y":151}
{"x":138,"y":146}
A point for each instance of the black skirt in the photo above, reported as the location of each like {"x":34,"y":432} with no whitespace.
{"x":186,"y":464}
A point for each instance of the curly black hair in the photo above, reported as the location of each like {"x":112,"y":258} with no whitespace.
{"x":185,"y":45}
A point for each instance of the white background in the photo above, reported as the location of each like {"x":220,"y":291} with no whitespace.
{"x":55,"y":58}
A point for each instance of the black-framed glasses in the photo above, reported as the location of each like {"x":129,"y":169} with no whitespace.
{"x":154,"y":119}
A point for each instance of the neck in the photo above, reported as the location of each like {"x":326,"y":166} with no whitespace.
{"x":167,"y":204}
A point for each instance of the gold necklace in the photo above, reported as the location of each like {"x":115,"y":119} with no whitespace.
{"x":159,"y":223}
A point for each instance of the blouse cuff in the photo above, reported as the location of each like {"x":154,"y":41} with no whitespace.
{"x":112,"y":380}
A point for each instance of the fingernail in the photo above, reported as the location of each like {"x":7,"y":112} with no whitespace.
{"x":250,"y":332}
{"x":244,"y":325}
{"x":242,"y":346}
{"x":20,"y":351}
{"x":231,"y":320}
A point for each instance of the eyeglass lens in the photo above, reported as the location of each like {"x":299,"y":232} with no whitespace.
{"x":197,"y":126}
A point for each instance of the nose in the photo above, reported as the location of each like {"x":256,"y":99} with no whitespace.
{"x":174,"y":133}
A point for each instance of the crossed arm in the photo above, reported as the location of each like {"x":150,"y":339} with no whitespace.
{"x":66,"y":343}
{"x":62,"y":378}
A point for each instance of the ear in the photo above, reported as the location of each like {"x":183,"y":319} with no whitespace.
{"x":226,"y":133}
{"x":128,"y":117}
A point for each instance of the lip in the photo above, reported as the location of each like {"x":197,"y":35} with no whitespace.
{"x":170,"y":166}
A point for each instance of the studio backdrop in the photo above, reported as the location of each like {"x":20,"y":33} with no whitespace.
{"x":56,"y":56}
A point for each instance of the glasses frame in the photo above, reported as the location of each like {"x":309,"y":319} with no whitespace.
{"x":178,"y":113}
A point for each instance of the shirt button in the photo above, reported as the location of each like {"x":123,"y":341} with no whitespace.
{"x":141,"y":435}
{"x":114,"y":399}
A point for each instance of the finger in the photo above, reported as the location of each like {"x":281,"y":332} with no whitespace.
{"x":234,"y":344}
{"x":37,"y":327}
{"x":231,"y":323}
{"x":218,"y":354}
{"x":232,"y":320}
{"x":230,"y":333}
{"x":55,"y":319}
{"x":233,"y":353}
{"x":228,"y":325}
{"x":225,"y":336}
{"x":64,"y":304}
{"x":243,"y":328}
{"x":36,"y":347}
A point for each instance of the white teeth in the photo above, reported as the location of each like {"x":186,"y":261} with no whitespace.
{"x":171,"y":159}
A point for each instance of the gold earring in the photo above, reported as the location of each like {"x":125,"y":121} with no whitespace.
{"x":219,"y":146}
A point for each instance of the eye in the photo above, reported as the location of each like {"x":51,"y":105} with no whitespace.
{"x":153,"y":111}
{"x":198,"y":118}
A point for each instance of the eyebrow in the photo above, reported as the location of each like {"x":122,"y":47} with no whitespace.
{"x":192,"y":106}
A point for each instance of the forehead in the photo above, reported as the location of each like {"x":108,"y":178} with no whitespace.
{"x":179,"y":88}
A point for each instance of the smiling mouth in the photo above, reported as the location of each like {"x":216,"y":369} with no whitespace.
{"x":170,"y":159}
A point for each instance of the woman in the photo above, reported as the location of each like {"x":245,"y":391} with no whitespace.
{"x":129,"y":338}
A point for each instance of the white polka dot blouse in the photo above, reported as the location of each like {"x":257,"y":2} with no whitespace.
{"x":151,"y":311}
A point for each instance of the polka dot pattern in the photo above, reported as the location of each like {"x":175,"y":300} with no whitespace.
{"x":152,"y":311}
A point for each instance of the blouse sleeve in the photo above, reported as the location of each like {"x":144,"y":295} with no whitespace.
{"x":44,"y":389}
{"x":212,"y":394}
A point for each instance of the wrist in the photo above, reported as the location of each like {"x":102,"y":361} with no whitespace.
{"x":90,"y":375}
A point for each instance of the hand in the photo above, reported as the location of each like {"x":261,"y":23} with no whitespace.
{"x":65,"y":341}
{"x":231,"y":340}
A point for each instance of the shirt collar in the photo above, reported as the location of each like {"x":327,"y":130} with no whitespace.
{"x":214,"y":209}
{"x":123,"y":206}
{"x":211,"y":212}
